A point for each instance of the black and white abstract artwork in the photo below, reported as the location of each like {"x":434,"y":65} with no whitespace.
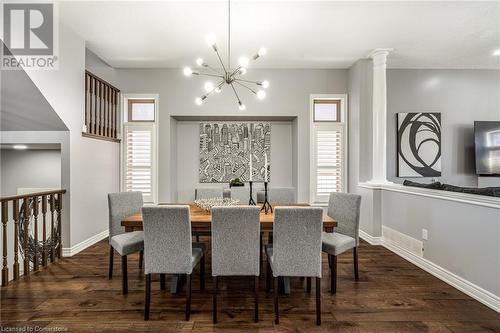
{"x":226,"y":148}
{"x":419,"y":144}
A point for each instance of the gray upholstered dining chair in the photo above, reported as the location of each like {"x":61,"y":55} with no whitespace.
{"x":168,"y":248}
{"x":344,"y":208}
{"x":241,"y":193}
{"x":122,"y":205}
{"x":296,"y":249}
{"x":235,"y":247}
{"x":279,"y":195}
{"x":208,"y":192}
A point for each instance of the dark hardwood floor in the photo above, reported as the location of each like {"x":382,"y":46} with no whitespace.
{"x":392,"y":295}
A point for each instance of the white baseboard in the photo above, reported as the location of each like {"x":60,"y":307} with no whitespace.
{"x":71,"y":251}
{"x":372,"y":240}
{"x":487,"y":298}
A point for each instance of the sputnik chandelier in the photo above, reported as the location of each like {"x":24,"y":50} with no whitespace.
{"x":227,"y":75}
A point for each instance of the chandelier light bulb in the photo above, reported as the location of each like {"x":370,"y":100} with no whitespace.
{"x":199,"y":62}
{"x":188,"y":71}
{"x":243,"y":70}
{"x":265,"y":84}
{"x":198,"y":101}
{"x":242,"y":106}
{"x":211,"y":40}
{"x":261,"y":94}
{"x":243,"y":61}
{"x":218,"y":90}
{"x":209,"y":86}
{"x":262,"y":52}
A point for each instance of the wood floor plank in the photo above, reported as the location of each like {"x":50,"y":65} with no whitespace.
{"x":392,"y":295}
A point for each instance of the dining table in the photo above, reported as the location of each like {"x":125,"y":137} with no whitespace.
{"x":201,"y":220}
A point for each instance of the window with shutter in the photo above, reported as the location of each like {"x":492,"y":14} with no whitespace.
{"x":139,"y":160}
{"x":328,"y":172}
{"x":139,"y":153}
{"x":328,"y":161}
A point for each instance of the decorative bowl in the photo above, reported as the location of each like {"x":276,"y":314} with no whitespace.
{"x":207,"y":204}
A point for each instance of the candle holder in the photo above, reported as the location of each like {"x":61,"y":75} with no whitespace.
{"x":266,"y":207}
{"x":251,"y":202}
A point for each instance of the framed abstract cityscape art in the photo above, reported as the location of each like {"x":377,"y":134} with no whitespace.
{"x":226,"y":148}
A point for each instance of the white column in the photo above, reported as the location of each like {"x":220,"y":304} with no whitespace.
{"x":379,"y":157}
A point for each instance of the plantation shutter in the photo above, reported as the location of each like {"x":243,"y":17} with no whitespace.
{"x":139,"y":160}
{"x":329,"y":161}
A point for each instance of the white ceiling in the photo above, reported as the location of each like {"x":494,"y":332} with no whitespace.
{"x":297,"y":34}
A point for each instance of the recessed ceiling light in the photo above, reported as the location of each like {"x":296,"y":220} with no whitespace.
{"x":496,"y":52}
{"x":20,"y":147}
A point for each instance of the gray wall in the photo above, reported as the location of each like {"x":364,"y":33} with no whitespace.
{"x":29,"y":169}
{"x":462,"y":238}
{"x":94,"y":164}
{"x":288,"y":95}
{"x":187,"y":157}
{"x":461,"y":96}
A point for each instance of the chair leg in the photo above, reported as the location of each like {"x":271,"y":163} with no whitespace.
{"x":147,"y":301}
{"x":268,"y":277}
{"x":261,"y":253}
{"x":318,"y":301}
{"x":308,"y":285}
{"x":256,"y":296}
{"x":197,"y":238}
{"x":333,"y":275}
{"x":124,"y":276}
{"x":329,"y":260}
{"x":202,"y":273}
{"x":214,"y":301}
{"x":276,"y":307}
{"x":141,"y":258}
{"x":163,"y":284}
{"x":356,"y":271}
{"x":111,"y":255}
{"x":188,"y":296}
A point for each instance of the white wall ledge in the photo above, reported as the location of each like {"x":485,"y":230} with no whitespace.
{"x":472,"y":199}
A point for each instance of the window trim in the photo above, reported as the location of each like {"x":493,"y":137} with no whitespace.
{"x":154,"y":124}
{"x":344,"y":121}
{"x":131,"y":101}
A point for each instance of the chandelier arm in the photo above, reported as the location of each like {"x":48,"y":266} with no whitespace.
{"x":221,"y":62}
{"x":213,"y":69}
{"x":235,"y":72}
{"x":244,"y":85}
{"x":211,"y":91}
{"x":249,"y":81}
{"x":213,"y":75}
{"x":235,"y":93}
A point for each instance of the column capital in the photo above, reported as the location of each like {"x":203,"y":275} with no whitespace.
{"x":379,"y":56}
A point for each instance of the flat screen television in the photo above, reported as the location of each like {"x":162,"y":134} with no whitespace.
{"x":487,"y":145}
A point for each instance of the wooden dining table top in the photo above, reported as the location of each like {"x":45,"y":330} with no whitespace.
{"x":201,"y":220}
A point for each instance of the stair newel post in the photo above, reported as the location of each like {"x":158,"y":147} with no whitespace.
{"x":44,"y":230}
{"x":15,"y":215}
{"x":59,"y":224}
{"x":35,"y":218}
{"x":52,"y":213}
{"x":5,"y":217}
{"x":26,"y":215}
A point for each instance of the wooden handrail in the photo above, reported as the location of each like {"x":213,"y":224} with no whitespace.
{"x":26,"y":245}
{"x":34,"y":194}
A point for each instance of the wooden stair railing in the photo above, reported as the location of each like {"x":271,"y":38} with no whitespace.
{"x":101,"y":109}
{"x":26,"y":242}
